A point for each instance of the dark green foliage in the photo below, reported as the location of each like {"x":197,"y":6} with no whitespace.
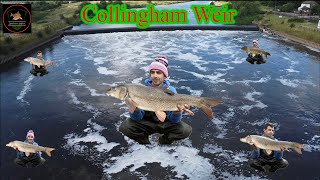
{"x":8,"y":39}
{"x":39,"y":34}
{"x":248,"y":11}
{"x":292,"y":25}
{"x":296,"y":20}
{"x":289,"y":7}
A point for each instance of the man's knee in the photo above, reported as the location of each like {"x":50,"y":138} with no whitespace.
{"x":283,"y":163}
{"x":186,"y":130}
{"x":127,"y":127}
{"x":124,"y":126}
{"x":20,"y":162}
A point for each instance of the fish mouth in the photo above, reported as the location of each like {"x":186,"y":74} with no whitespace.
{"x":243,"y":140}
{"x":8,"y":145}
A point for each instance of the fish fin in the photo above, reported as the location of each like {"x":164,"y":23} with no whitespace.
{"x":161,"y":115}
{"x":27,"y":154}
{"x":131,"y":104}
{"x":207,"y":103}
{"x":48,"y":151}
{"x":210,"y":102}
{"x":268,"y":54}
{"x":297,"y":148}
{"x":207,"y":111}
{"x":167,"y":91}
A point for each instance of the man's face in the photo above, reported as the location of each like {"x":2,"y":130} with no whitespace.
{"x":30,"y":139}
{"x":255,"y":44}
{"x":157,"y":77}
{"x":269,"y":132}
{"x":39,"y":54}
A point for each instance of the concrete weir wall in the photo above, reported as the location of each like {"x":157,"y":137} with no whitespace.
{"x":67,"y":31}
{"x":165,"y":28}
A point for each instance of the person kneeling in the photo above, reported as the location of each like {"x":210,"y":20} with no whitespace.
{"x":34,"y":158}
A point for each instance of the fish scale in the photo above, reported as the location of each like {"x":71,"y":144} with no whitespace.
{"x":159,"y":99}
{"x":270,"y":144}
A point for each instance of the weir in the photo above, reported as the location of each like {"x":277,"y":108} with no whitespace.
{"x":164,"y":28}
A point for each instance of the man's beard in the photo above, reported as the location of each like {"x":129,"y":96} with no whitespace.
{"x":156,"y":81}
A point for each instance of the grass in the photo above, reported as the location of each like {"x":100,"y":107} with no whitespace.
{"x":304,"y":30}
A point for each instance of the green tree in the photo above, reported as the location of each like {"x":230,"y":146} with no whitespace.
{"x":289,"y":7}
{"x":248,"y":11}
{"x":315,"y":9}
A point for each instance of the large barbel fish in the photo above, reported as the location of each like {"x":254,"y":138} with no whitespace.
{"x":254,"y":51}
{"x":159,"y":99}
{"x":270,"y":144}
{"x":29,"y":148}
{"x":38,"y":62}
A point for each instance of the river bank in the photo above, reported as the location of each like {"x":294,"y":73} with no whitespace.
{"x":295,"y":39}
{"x":24,"y":52}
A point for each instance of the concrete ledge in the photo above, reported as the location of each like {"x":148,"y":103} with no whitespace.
{"x":164,"y":28}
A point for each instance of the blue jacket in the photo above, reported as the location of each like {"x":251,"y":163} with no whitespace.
{"x":22,"y":154}
{"x":276,"y":154}
{"x":174,"y":118}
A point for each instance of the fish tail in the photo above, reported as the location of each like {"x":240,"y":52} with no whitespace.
{"x":297,"y":147}
{"x":48,"y":151}
{"x":206,"y":104}
{"x":268,"y":54}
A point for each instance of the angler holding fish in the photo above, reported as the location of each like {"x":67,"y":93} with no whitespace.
{"x":268,"y":151}
{"x":38,"y":64}
{"x":255,"y":53}
{"x":157,"y":108}
{"x":29,"y":151}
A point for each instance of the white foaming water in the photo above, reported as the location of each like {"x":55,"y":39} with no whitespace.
{"x":93,"y":136}
{"x":313,"y":145}
{"x":137,"y":81}
{"x":177,"y":157}
{"x":193,"y":92}
{"x":262,"y":122}
{"x":77,"y":71}
{"x":105,"y":71}
{"x":214,"y":79}
{"x":93,"y":133}
{"x":221,"y":126}
{"x":258,"y":104}
{"x":238,"y":60}
{"x":228,"y":155}
{"x":292,"y":96}
{"x":261,"y":80}
{"x":292,"y":70}
{"x":86,"y":107}
{"x":25,"y":90}
{"x":194,"y":59}
{"x":287,"y":82}
{"x":79,"y":82}
{"x":113,"y":84}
